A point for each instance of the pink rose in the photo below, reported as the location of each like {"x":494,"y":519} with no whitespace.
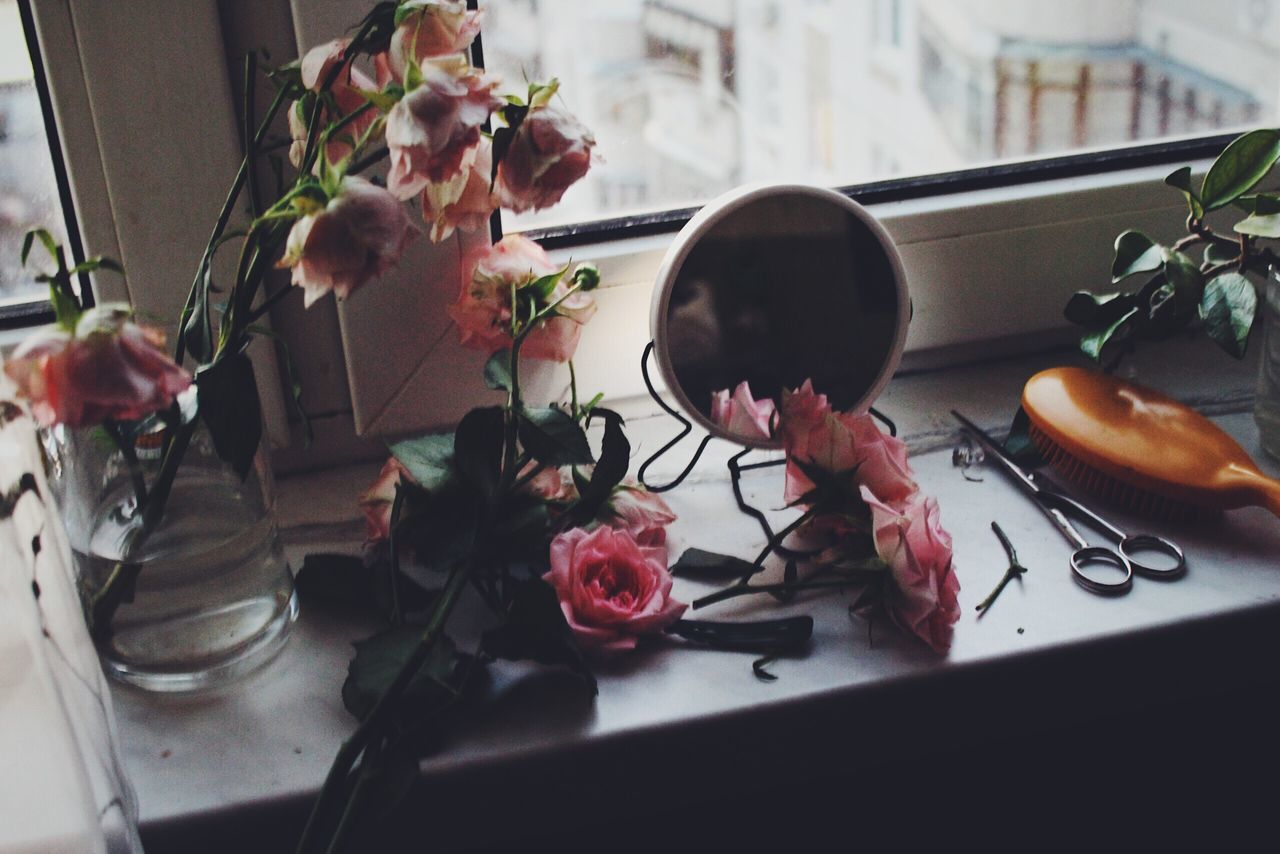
{"x":549,"y":152}
{"x":925,"y":590}
{"x":743,"y":415}
{"x":433,"y":28}
{"x":434,"y":130}
{"x":483,"y":309}
{"x":377,"y":500}
{"x":111,"y":368}
{"x":356,"y":237}
{"x":639,"y":512}
{"x":446,"y":209}
{"x":611,"y":589}
{"x":839,"y":442}
{"x":316,"y":66}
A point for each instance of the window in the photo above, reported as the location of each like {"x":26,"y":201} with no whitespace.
{"x":688,"y":98}
{"x":691,"y":97}
{"x":29,"y":187}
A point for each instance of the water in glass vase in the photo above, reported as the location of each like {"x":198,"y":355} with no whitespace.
{"x":213,"y":597}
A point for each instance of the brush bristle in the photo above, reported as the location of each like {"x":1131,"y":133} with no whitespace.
{"x":1116,"y":492}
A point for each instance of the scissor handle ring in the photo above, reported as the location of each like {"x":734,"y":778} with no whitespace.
{"x":1098,"y":554}
{"x":1150,"y":542}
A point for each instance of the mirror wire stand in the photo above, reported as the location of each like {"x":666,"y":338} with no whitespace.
{"x":735,"y":464}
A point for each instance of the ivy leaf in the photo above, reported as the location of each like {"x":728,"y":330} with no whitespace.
{"x":497,"y":371}
{"x":1089,"y":309}
{"x":1092,"y":343}
{"x":477,"y":448}
{"x":1227,"y":310}
{"x":1259,"y":225}
{"x":228,"y":397}
{"x":1188,"y":283}
{"x":615,"y":457}
{"x":1240,"y":166}
{"x":1135,"y":253}
{"x":1180,"y":179}
{"x":699,"y":563}
{"x":1216,"y":253}
{"x":378,"y":659}
{"x":536,"y":630}
{"x":553,"y":437}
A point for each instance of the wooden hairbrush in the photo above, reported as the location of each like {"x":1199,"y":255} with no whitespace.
{"x":1140,"y":449}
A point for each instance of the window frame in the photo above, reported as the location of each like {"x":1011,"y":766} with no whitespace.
{"x":968,"y":238}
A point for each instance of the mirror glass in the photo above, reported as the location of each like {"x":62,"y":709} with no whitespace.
{"x":773,"y":286}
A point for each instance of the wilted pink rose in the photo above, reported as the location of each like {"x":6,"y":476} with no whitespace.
{"x":433,"y":131}
{"x":316,"y":67}
{"x":432,"y":28}
{"x":549,"y":152}
{"x":111,"y":368}
{"x":356,"y":237}
{"x":378,"y":499}
{"x":611,"y":589}
{"x":447,"y":208}
{"x":483,"y":309}
{"x":743,"y":415}
{"x":638,"y":511}
{"x":838,"y":442}
{"x":923,"y":597}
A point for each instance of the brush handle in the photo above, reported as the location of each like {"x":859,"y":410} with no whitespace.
{"x":1261,"y":491}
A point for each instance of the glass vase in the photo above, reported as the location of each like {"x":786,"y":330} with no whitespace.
{"x":1266,"y":409}
{"x":204,"y":594}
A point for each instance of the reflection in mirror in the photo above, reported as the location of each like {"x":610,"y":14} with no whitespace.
{"x":772,"y":287}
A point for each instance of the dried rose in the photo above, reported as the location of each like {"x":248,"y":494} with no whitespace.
{"x":434,"y":130}
{"x":110,"y":368}
{"x":741,"y":414}
{"x":347,"y":98}
{"x":357,"y":236}
{"x":548,"y":153}
{"x":445,"y":209}
{"x":430,"y":28}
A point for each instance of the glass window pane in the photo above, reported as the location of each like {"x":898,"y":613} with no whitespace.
{"x":691,"y":97}
{"x":28,"y":189}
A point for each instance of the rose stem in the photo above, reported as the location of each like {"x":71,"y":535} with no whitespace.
{"x":1015,"y":569}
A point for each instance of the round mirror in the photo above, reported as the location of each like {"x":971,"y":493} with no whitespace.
{"x":772,"y":286}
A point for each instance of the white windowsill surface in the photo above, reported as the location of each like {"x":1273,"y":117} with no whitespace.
{"x":259,"y":750}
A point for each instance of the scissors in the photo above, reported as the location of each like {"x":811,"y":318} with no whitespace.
{"x":1126,"y":556}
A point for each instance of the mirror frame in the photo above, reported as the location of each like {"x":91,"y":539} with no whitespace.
{"x":705,"y":221}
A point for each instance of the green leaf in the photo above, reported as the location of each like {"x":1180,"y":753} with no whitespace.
{"x":553,"y":437}
{"x":346,"y":581}
{"x":497,"y":371}
{"x":1135,"y":253}
{"x":513,"y":114}
{"x":702,"y":564}
{"x":1188,"y":283}
{"x":477,"y":448}
{"x":1180,"y":179}
{"x":1259,"y":225}
{"x":536,"y":630}
{"x":1227,"y":310}
{"x":1092,"y":343}
{"x":1239,"y":167}
{"x":383,"y":100}
{"x":788,"y":633}
{"x":428,"y":458}
{"x":46,"y":240}
{"x":615,"y":457}
{"x":435,"y":686}
{"x":229,"y":404}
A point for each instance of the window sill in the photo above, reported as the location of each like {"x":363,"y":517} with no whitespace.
{"x":1059,"y":655}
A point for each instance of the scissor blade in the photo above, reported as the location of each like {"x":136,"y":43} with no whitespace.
{"x":989,"y":445}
